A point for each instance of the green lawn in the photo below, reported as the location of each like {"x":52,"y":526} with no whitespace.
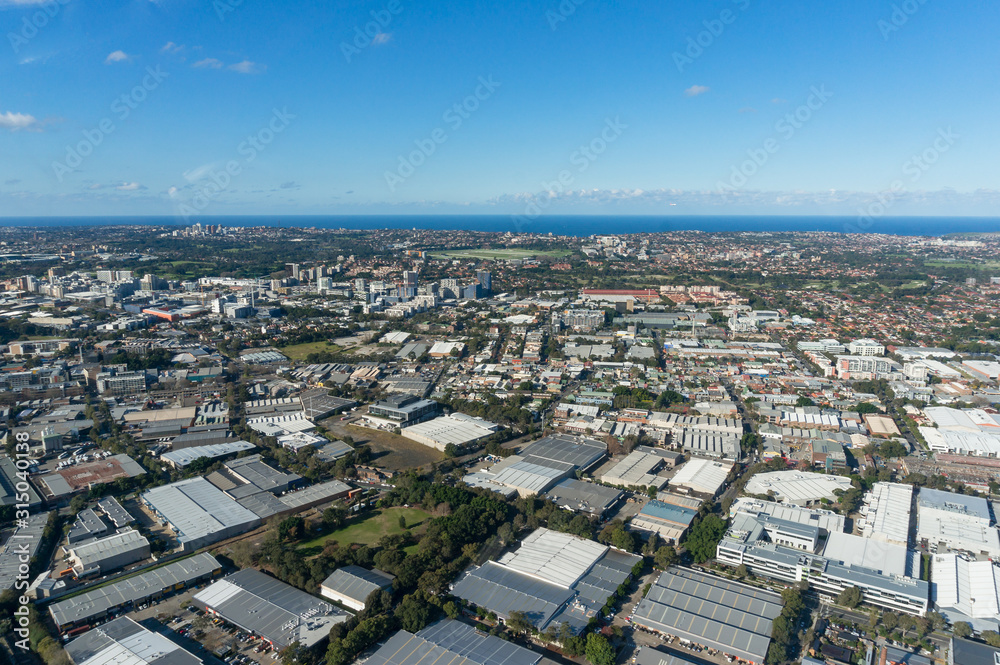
{"x":493,"y":254}
{"x":299,"y":352}
{"x":369,"y":528}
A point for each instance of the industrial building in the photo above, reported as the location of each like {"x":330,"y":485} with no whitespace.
{"x":351,"y":585}
{"x":24,"y":540}
{"x":638,"y":469}
{"x":87,"y":526}
{"x":8,"y":484}
{"x":264,"y":606}
{"x":94,"y":605}
{"x":450,"y":642}
{"x":966,"y":590}
{"x":552,"y":577}
{"x":734,"y":618}
{"x":248,"y":475}
{"x":181,"y":458}
{"x":670,"y":522}
{"x":404,"y":410}
{"x":541,"y":465}
{"x":701,"y":476}
{"x":79,"y":477}
{"x":198,"y":512}
{"x":887,"y":513}
{"x":957,"y":521}
{"x":967,"y":652}
{"x":584,"y":497}
{"x":125,"y":642}
{"x":457,"y":429}
{"x":797,"y":487}
{"x":103,"y":555}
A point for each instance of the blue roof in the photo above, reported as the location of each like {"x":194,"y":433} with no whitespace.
{"x":668,"y":512}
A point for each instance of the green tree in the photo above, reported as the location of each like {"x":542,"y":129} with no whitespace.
{"x":962,"y":629}
{"x":992,"y":637}
{"x":665,"y":557}
{"x":598,"y":650}
{"x":518,"y":622}
{"x":850,"y":597}
{"x":704,"y":537}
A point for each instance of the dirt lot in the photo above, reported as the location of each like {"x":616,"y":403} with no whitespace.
{"x":389,"y":450}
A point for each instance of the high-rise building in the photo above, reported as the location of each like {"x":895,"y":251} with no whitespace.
{"x":485,"y":280}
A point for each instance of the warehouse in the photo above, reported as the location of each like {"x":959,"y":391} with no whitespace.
{"x":734,"y":618}
{"x":94,"y":605}
{"x":450,"y":642}
{"x":24,"y":540}
{"x":455,"y":429}
{"x":887,"y":513}
{"x":583,"y":497}
{"x":886,"y":557}
{"x":798,"y":487}
{"x":198,"y":512}
{"x":958,"y":521}
{"x":248,"y":475}
{"x":181,"y":458}
{"x":101,"y":556}
{"x":701,"y":476}
{"x":564,"y":451}
{"x":125,"y":642}
{"x":668,"y":521}
{"x":351,"y":585}
{"x":333,"y":451}
{"x":638,"y":469}
{"x":404,"y":410}
{"x":552,"y":577}
{"x":708,"y":443}
{"x":965,"y":590}
{"x":87,"y":526}
{"x":315,"y":495}
{"x":262,"y":605}
{"x":78,"y":477}
{"x":317,"y":404}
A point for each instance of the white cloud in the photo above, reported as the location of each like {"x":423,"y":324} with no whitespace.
{"x":20,"y":3}
{"x":208,"y":63}
{"x":381,"y":38}
{"x":17,"y":121}
{"x":117,"y":56}
{"x":696,"y":90}
{"x":247,"y":67}
{"x":129,"y":187}
{"x":779,"y":100}
{"x":171,"y":47}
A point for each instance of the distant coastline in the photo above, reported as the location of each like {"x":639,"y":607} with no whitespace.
{"x":570,"y":225}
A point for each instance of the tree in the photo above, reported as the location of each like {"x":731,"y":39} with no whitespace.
{"x":704,"y":537}
{"x":451,"y":450}
{"x":402,"y":521}
{"x":992,"y":637}
{"x":742,"y":571}
{"x":962,"y":629}
{"x":804,"y":401}
{"x":598,"y":650}
{"x":518,"y":622}
{"x":850,"y":597}
{"x":665,"y":557}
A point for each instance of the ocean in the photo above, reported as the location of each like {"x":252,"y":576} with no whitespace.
{"x":571,"y":225}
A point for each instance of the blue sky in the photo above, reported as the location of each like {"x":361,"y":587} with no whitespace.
{"x":531,"y":107}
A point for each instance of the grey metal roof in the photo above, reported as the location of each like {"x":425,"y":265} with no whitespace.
{"x":581,"y":453}
{"x":96,"y":603}
{"x":583,"y":496}
{"x":30,"y":535}
{"x":125,"y":642}
{"x":333,"y":451}
{"x":185,"y":456}
{"x":270,"y":608}
{"x":653,"y":656}
{"x":315,"y":494}
{"x":114,"y":511}
{"x":356,"y":582}
{"x":967,"y":652}
{"x":87,"y":525}
{"x":502,"y":590}
{"x":734,"y":618}
{"x":450,"y":642}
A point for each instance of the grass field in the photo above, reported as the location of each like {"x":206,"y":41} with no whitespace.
{"x":298,"y":352}
{"x":368,"y":529}
{"x":494,"y":254}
